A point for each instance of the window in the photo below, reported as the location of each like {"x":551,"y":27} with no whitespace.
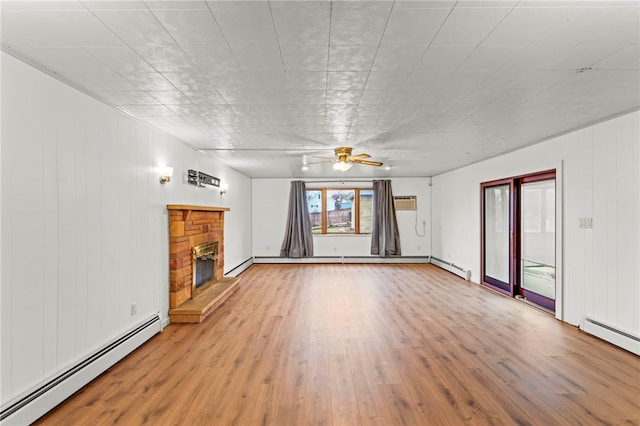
{"x":314,"y":203}
{"x":340,"y":211}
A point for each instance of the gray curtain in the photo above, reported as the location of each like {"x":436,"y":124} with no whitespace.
{"x":298,"y":238}
{"x":385,"y":238}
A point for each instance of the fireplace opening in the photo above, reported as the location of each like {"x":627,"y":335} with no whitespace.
{"x":205,"y":264}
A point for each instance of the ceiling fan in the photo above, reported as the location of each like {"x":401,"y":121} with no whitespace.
{"x":344,"y":160}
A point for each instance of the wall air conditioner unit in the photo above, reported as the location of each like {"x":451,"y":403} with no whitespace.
{"x":405,"y":202}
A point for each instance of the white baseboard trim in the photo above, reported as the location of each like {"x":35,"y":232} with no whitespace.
{"x":165,"y":322}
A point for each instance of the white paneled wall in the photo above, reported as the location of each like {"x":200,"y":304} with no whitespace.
{"x":271,"y":200}
{"x":84,"y":223}
{"x":616,"y":253}
{"x":270,"y":203}
{"x":600,"y":179}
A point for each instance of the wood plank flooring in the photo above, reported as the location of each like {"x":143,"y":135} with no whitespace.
{"x":364,"y":345}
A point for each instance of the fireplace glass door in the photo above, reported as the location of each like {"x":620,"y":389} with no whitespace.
{"x":205,"y":270}
{"x":205,"y":264}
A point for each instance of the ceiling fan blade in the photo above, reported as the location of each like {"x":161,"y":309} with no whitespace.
{"x":320,"y":162}
{"x":368,"y":163}
{"x":359,"y":157}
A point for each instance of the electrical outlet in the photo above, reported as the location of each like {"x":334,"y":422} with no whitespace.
{"x":134,"y":308}
{"x":585,"y":222}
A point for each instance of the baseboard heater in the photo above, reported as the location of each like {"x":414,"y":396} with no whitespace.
{"x":234,"y":272}
{"x":612,"y":334}
{"x":31,"y":406}
{"x":341,"y":259}
{"x":452,"y":267}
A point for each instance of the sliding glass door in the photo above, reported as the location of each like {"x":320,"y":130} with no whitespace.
{"x":538,"y":240}
{"x":497,"y":237}
{"x":518,"y":237}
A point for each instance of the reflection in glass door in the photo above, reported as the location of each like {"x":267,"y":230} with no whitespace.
{"x":538,"y":241}
{"x":496,"y":241}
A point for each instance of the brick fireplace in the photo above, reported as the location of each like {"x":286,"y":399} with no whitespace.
{"x":191,"y":227}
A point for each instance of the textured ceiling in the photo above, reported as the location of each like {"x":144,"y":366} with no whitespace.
{"x":423,"y":86}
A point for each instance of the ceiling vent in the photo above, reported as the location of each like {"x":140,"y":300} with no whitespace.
{"x":405,"y":202}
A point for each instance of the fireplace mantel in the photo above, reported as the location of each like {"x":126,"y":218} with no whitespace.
{"x":191,"y":226}
{"x":197,"y":208}
{"x":187,"y":209}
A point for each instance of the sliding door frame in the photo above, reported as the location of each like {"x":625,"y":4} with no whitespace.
{"x":534,"y":297}
{"x":488,"y":281}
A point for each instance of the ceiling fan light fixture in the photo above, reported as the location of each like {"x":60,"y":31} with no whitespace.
{"x":342,"y":166}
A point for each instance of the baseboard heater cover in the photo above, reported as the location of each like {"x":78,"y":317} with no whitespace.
{"x":612,"y":334}
{"x":342,"y":259}
{"x":452,"y":267}
{"x":234,"y":272}
{"x":31,"y":406}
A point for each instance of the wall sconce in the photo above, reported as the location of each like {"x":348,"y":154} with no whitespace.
{"x":166,"y":173}
{"x":223,"y":188}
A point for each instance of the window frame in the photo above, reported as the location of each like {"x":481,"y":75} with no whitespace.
{"x":355,"y":209}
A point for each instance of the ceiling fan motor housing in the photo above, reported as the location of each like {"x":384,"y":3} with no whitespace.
{"x":343,"y":152}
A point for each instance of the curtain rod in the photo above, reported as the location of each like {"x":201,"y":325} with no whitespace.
{"x":339,"y":181}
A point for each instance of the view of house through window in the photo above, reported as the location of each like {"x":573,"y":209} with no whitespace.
{"x":340,"y":211}
{"x":366,"y":211}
